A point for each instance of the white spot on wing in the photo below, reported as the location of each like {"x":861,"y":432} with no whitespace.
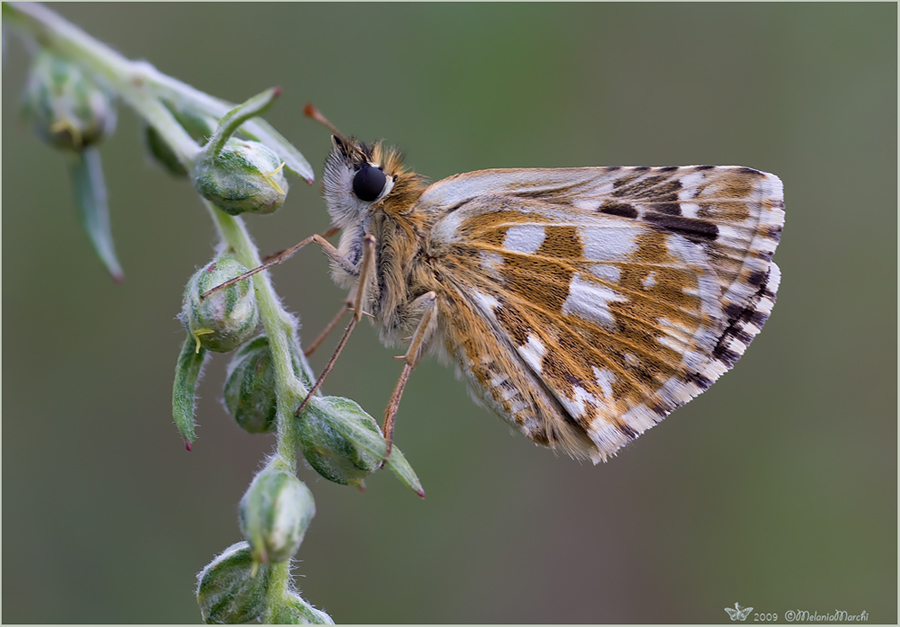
{"x":608,"y":244}
{"x":586,"y":204}
{"x":491,"y":263}
{"x":577,"y":407}
{"x":605,"y":379}
{"x":445,"y":230}
{"x":689,"y":184}
{"x":533,"y":353}
{"x":486,"y":303}
{"x":524,"y":238}
{"x":690,"y":210}
{"x":590,"y":301}
{"x":606,"y":272}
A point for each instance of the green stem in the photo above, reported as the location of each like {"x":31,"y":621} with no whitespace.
{"x":278,"y":589}
{"x":281,"y":329}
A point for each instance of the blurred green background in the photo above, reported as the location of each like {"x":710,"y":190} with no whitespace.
{"x":777,"y":489}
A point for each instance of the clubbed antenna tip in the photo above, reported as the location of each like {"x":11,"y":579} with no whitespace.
{"x":311,"y":111}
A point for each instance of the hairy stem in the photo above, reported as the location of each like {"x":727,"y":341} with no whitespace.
{"x":280,"y":326}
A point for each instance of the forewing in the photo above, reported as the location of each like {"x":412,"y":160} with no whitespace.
{"x":624,"y":292}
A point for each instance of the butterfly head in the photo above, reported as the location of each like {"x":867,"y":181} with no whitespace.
{"x":356,"y":178}
{"x":360,"y":179}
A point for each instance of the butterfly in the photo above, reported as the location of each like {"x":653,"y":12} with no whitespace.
{"x":583,"y":305}
{"x":738,"y":613}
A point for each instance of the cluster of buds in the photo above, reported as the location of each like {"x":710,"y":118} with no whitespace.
{"x":238,"y":169}
{"x":274,"y":514}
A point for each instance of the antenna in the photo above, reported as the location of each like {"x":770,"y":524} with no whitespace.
{"x":311,"y":111}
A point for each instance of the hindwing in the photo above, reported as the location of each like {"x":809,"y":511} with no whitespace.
{"x":586,"y":304}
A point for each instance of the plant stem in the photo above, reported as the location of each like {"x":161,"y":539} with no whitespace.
{"x":280,"y":328}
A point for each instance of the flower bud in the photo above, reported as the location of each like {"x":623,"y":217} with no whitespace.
{"x":326,"y":444}
{"x":199,"y":126}
{"x":245,"y":176}
{"x":66,"y":107}
{"x":226,"y":318}
{"x":275,"y":513}
{"x":232,"y":588}
{"x":249,"y":392}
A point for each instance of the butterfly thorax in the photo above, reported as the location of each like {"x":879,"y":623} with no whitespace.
{"x":402,"y":269}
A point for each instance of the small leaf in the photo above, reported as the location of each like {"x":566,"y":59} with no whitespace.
{"x":187,"y":374}
{"x":263,"y":132}
{"x":232,"y":120}
{"x":90,"y":195}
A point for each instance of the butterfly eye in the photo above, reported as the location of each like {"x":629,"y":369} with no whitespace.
{"x":368,"y":183}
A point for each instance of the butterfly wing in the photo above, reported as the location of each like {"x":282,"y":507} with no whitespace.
{"x":586,"y":304}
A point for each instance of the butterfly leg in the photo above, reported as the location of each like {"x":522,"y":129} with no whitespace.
{"x":345,"y":307}
{"x":284,"y":255}
{"x":427,"y":305}
{"x":366,"y":270}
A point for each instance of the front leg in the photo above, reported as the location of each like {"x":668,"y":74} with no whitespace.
{"x":421,"y":338}
{"x":366,"y":271}
{"x":273,"y":260}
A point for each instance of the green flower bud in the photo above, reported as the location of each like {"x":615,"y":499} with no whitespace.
{"x":245,"y":176}
{"x":226,"y":318}
{"x":275,"y":513}
{"x":66,"y":107}
{"x":249,"y":392}
{"x":199,"y":126}
{"x":232,"y":588}
{"x":294,"y":610}
{"x":327,"y":447}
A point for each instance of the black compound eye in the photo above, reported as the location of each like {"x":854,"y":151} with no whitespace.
{"x":368,"y":183}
